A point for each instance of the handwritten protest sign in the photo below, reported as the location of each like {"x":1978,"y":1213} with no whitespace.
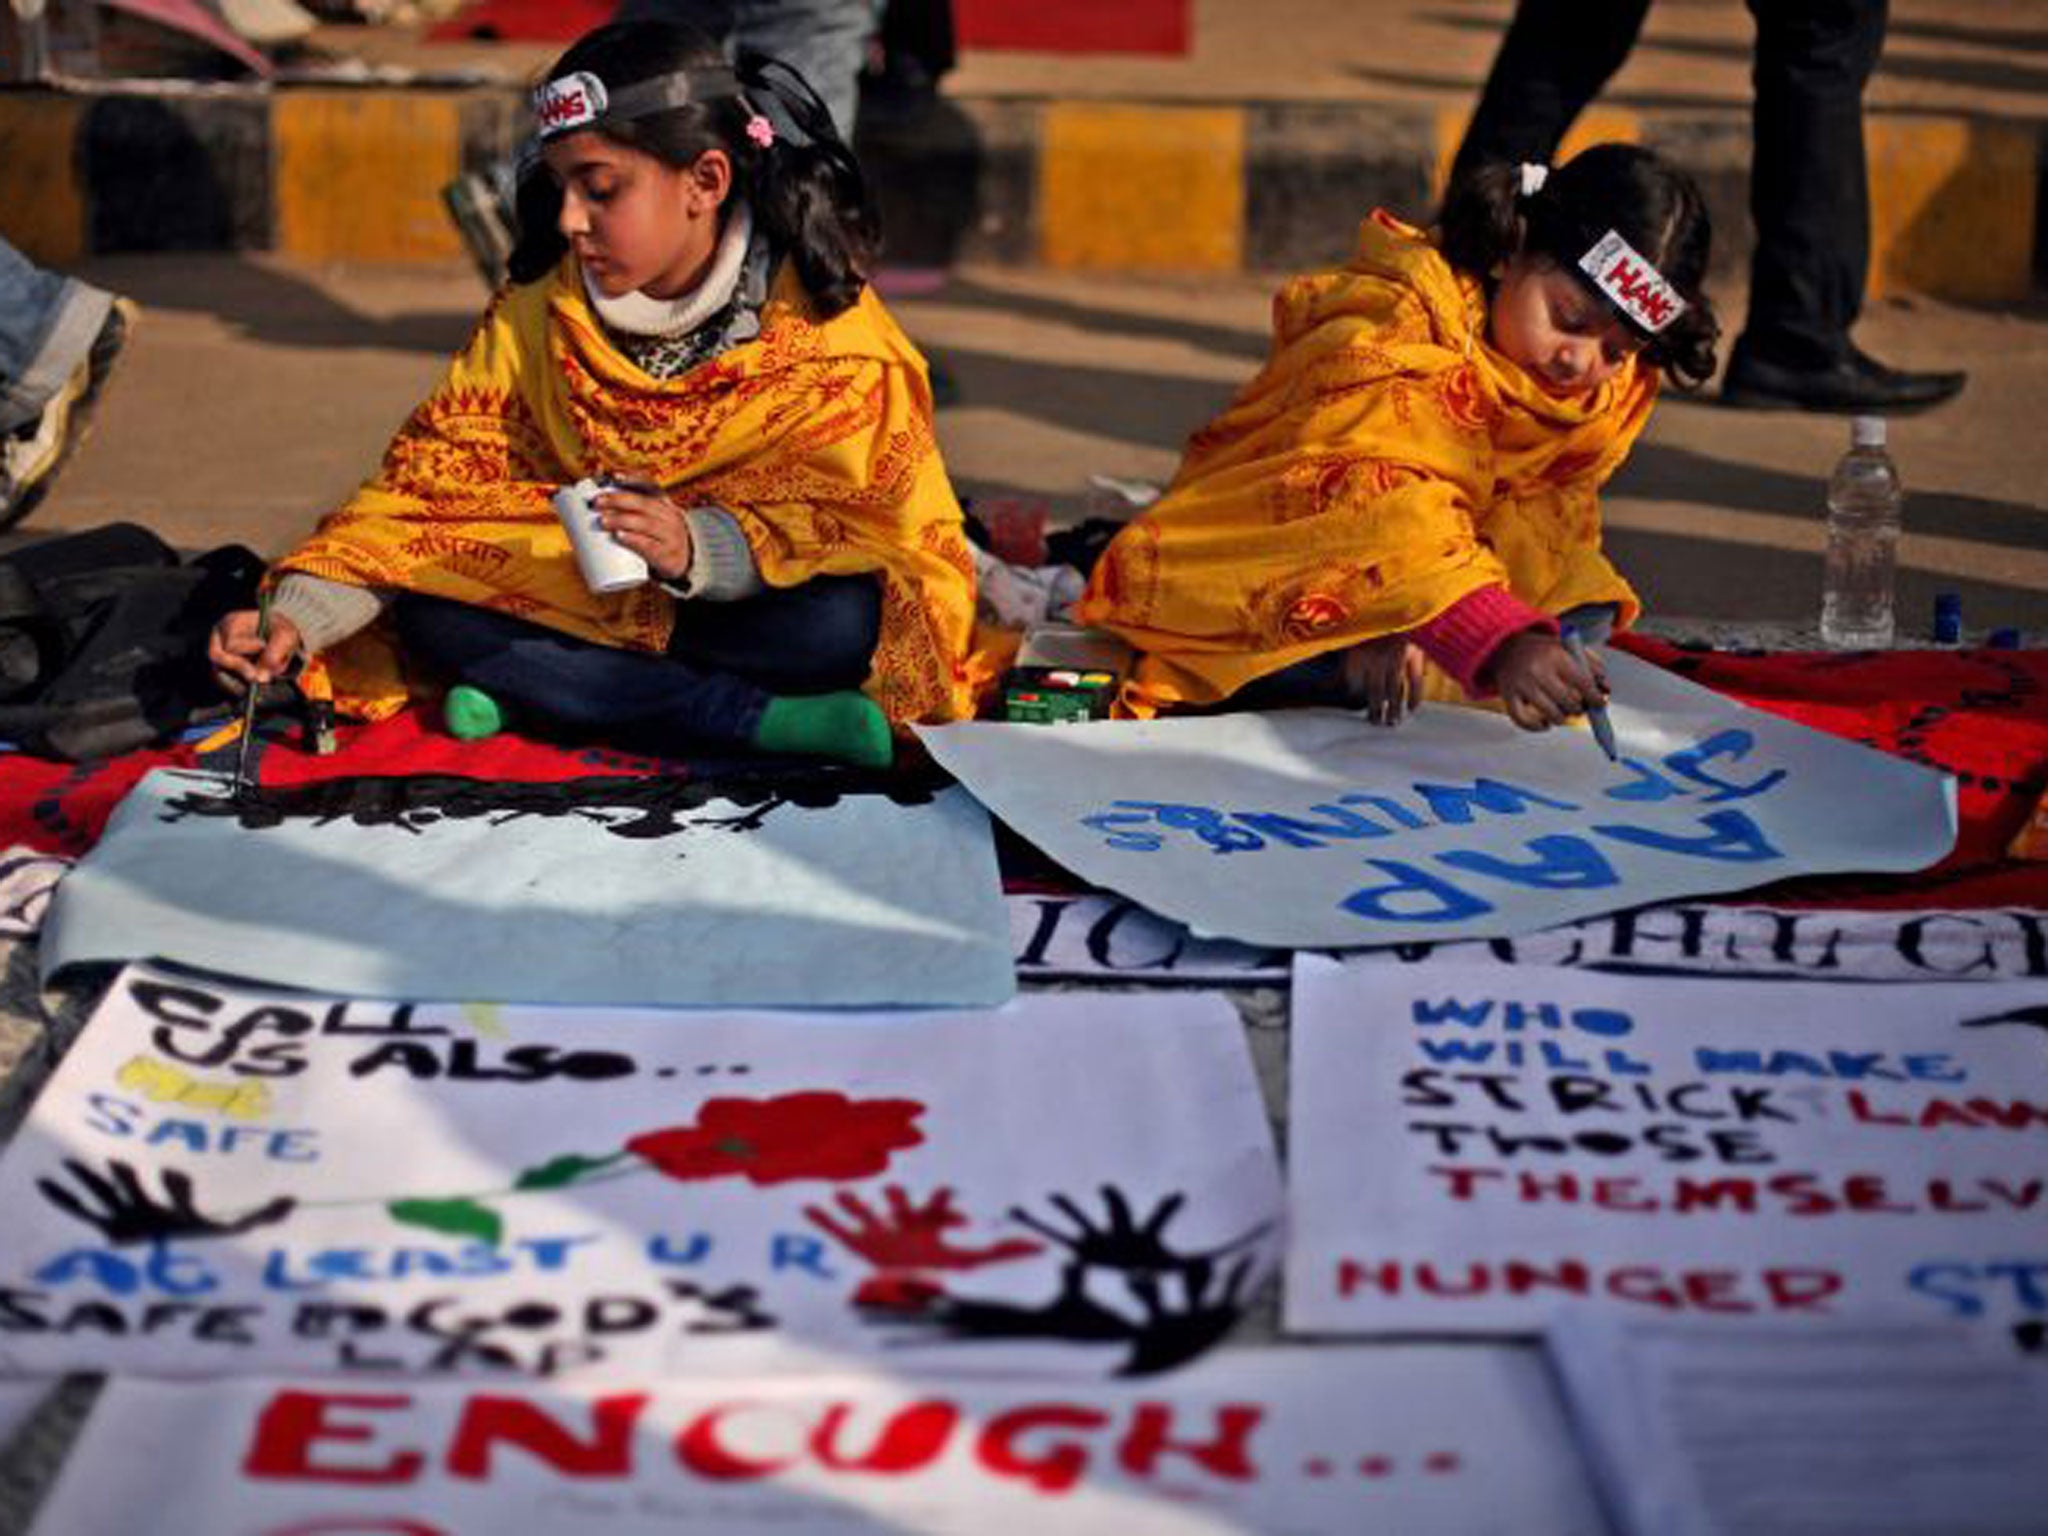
{"x":1473,"y":1146}
{"x":1313,"y":829}
{"x":1698,"y":1429}
{"x":1087,"y":936}
{"x":1328,"y":1442}
{"x":223,"y":1178}
{"x":599,"y":890}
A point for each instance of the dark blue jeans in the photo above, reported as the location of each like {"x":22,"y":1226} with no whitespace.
{"x":724,"y":662}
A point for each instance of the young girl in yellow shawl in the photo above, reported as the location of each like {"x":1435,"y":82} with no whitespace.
{"x":688,"y":319}
{"x":1403,"y":503}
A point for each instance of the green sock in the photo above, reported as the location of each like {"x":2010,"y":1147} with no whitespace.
{"x":470,"y":714}
{"x":849,"y":727}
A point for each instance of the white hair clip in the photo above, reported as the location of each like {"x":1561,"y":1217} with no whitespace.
{"x":1531,"y":177}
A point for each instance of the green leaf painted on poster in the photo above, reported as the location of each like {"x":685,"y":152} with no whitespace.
{"x":457,"y":1217}
{"x":566,"y":1169}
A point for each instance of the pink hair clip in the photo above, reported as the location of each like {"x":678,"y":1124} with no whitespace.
{"x":760,"y":130}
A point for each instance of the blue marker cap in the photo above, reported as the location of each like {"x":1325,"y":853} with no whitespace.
{"x":1948,"y":618}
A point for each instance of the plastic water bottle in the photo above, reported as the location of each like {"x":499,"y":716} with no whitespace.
{"x":1864,"y":498}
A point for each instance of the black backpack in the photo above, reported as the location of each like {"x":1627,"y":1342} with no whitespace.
{"x":103,"y":639}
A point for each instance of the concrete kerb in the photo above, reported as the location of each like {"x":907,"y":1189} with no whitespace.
{"x":354,"y":174}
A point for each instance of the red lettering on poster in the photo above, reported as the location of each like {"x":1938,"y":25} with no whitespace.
{"x":489,"y":1420}
{"x":1056,"y":1469}
{"x":913,"y":1438}
{"x":699,"y":1448}
{"x":293,"y":1423}
{"x":1226,"y":1455}
{"x":1700,"y":1290}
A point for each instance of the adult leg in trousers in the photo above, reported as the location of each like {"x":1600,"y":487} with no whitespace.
{"x":1555,"y":58}
{"x":1809,"y":198}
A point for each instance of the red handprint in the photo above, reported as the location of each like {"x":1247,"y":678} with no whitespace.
{"x":909,"y":1235}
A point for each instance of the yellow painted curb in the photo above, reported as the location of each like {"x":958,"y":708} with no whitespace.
{"x":42,"y":205}
{"x":1130,"y":187}
{"x":358,"y":176}
{"x":1595,"y":125}
{"x":1951,"y":208}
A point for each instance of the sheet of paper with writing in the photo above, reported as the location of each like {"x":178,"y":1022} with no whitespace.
{"x":1726,"y":1430}
{"x":1426,"y":1441}
{"x":1473,"y":1147}
{"x":597,"y":890}
{"x":1313,"y":829}
{"x":222,"y":1178}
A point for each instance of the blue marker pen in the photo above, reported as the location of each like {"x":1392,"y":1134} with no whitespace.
{"x":1596,"y":716}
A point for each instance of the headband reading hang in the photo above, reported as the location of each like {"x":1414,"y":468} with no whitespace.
{"x":578,"y":100}
{"x":1636,"y":288}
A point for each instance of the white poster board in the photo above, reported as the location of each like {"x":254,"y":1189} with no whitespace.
{"x":600,"y":890}
{"x":1090,"y":937}
{"x":227,"y":1179}
{"x":1697,"y":1430}
{"x":19,"y":1399}
{"x":1324,"y":1442}
{"x":1472,"y":1147}
{"x":1314,"y":829}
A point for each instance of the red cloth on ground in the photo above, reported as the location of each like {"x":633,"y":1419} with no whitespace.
{"x":56,"y":807}
{"x":1981,"y":715}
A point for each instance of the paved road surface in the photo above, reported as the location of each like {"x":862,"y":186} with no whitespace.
{"x":256,"y":394}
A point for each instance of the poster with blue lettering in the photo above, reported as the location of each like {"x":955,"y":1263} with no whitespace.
{"x":1325,"y":1442}
{"x":1315,"y":830}
{"x":232,"y":1179}
{"x":850,"y":892}
{"x":1473,"y":1147}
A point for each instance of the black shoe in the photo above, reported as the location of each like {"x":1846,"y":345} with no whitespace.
{"x":1855,"y":384}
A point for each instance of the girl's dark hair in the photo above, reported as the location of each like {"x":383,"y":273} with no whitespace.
{"x":806,"y":191}
{"x":1654,"y":206}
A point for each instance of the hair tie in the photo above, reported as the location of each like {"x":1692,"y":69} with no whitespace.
{"x":760,"y":130}
{"x":1531,"y":178}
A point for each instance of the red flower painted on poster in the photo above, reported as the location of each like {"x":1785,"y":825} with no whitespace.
{"x":816,"y":1135}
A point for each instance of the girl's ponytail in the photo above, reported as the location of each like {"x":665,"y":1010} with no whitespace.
{"x":1479,"y":225}
{"x":807,"y":190}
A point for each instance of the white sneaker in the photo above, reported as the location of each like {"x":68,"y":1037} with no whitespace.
{"x":31,"y":455}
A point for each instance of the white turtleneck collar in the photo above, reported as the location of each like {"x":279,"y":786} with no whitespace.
{"x":638,"y":314}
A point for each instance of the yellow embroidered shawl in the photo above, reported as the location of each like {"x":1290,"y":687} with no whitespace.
{"x":1384,"y":463}
{"x":816,"y":436}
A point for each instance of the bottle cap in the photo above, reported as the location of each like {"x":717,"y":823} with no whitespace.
{"x":2003,"y":640}
{"x":1866,"y":432}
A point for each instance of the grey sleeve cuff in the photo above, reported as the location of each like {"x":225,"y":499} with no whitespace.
{"x":325,"y":612}
{"x":722,"y":568}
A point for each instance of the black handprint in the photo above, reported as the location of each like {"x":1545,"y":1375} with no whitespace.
{"x":125,"y":1212}
{"x":1180,"y":1307}
{"x":1120,"y":1243}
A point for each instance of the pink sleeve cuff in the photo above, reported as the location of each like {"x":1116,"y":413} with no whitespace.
{"x":1463,"y":638}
